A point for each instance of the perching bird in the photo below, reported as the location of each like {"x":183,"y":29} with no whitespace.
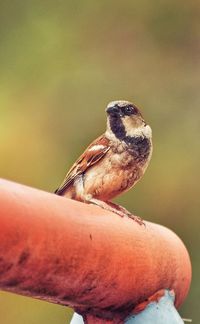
{"x":114,"y":162}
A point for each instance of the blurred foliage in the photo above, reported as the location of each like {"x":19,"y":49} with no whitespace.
{"x":61,"y":62}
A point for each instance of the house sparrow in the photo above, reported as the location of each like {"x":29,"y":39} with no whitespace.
{"x":114,"y":162}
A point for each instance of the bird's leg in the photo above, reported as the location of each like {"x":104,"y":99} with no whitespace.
{"x":117,"y":209}
{"x":126,"y":212}
{"x":106,"y":206}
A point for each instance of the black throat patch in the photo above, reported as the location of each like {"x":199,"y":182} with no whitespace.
{"x":117,"y":127}
{"x":138,"y":146}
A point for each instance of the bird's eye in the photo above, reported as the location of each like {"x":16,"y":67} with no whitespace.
{"x":129,"y":110}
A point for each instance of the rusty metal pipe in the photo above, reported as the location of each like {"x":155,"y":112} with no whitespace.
{"x":70,"y":253}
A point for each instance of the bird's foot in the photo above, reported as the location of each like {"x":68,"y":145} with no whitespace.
{"x":117,"y":209}
{"x":137,"y":219}
{"x":126,"y":213}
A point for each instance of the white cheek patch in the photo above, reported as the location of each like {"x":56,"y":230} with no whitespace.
{"x":147,"y":131}
{"x":144,"y":131}
{"x":96,"y":148}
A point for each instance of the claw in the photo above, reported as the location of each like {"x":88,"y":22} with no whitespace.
{"x":117,"y":209}
{"x":137,"y":219}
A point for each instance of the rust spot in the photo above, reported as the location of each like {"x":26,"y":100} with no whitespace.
{"x":43,"y":291}
{"x":154,"y":298}
{"x":5,"y":267}
{"x":24,"y":257}
{"x":12,"y":282}
{"x":123,"y":309}
{"x":57,"y":260}
{"x":68,"y":297}
{"x":88,"y":289}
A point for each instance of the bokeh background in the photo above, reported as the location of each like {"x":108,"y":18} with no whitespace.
{"x":61,"y":62}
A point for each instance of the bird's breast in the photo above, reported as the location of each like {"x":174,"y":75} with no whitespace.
{"x":118,"y":171}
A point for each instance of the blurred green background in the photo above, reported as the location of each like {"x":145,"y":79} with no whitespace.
{"x":61,"y":62}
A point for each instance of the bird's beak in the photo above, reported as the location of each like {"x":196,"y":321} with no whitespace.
{"x":113,"y":111}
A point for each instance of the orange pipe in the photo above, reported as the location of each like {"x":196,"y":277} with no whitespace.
{"x":70,"y":253}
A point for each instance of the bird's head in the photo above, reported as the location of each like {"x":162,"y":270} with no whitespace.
{"x":125,"y":119}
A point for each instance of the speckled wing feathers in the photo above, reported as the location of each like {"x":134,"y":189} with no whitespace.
{"x":95,"y":152}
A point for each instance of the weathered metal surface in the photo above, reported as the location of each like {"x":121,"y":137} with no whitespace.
{"x":70,"y":253}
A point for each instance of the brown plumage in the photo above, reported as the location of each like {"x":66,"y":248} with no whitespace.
{"x":114,"y":162}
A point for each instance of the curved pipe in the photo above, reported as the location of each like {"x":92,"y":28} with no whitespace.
{"x":70,"y":253}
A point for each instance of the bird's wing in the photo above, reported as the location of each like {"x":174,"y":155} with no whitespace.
{"x":95,"y":152}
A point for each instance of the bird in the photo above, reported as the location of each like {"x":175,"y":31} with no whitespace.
{"x":114,"y":162}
